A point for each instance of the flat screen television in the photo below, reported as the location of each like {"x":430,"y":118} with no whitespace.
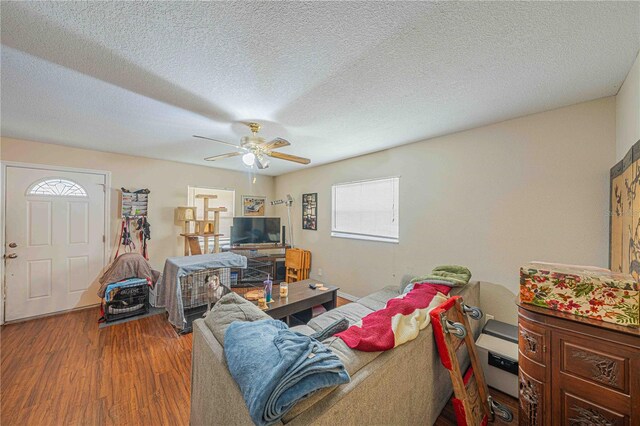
{"x":255,"y":230}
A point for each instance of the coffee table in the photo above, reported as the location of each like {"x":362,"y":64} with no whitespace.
{"x":301,"y":298}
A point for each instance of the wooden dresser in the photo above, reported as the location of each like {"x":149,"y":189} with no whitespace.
{"x":576,"y":371}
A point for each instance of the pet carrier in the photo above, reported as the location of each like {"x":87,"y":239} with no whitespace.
{"x":126,"y":299}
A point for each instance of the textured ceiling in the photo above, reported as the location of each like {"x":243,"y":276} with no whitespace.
{"x":336,"y":79}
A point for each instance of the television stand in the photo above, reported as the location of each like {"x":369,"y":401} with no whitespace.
{"x":259,"y":266}
{"x":244,"y":247}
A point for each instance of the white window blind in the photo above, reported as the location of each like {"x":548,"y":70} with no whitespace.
{"x":226,"y":198}
{"x":366,"y":210}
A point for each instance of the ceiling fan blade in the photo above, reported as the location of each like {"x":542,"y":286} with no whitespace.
{"x":221,"y":156}
{"x":276,"y":143}
{"x":216,"y":140}
{"x":288,"y":157}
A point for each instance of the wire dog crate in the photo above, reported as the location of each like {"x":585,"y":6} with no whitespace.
{"x":195,"y":295}
{"x":258,"y":269}
{"x":127,"y":302}
{"x":256,"y":272}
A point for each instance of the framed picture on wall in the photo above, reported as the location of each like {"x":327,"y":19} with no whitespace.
{"x":310,"y":211}
{"x":253,"y":205}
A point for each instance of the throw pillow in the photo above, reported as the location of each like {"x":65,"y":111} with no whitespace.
{"x":231,"y":307}
{"x":336,"y":327}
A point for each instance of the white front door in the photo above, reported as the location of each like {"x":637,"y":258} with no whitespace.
{"x":54,"y":240}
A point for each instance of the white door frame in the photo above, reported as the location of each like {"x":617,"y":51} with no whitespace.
{"x":3,"y":203}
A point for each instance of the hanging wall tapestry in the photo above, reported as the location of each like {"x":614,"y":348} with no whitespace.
{"x":624,"y":224}
{"x":310,"y":211}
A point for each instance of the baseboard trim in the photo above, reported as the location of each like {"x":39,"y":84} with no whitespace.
{"x":68,"y":311}
{"x":347,"y":296}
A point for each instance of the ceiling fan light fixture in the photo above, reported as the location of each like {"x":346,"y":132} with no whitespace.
{"x":263,"y":161}
{"x":249,"y":158}
{"x":255,"y":149}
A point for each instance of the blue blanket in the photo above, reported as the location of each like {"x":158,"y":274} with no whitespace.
{"x":276,"y":367}
{"x":129,"y":282}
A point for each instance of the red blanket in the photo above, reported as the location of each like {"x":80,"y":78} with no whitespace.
{"x":400,"y":321}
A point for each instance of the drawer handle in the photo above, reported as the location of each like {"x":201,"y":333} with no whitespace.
{"x":531,"y":401}
{"x":531,"y":343}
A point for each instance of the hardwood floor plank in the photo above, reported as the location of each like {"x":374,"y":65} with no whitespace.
{"x":64,"y":370}
{"x":342,"y":301}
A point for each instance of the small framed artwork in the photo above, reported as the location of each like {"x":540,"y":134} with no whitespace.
{"x":310,"y":211}
{"x":253,"y":205}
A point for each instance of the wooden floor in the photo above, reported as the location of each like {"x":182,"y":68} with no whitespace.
{"x":62,"y":370}
{"x":448,"y":418}
{"x":342,"y":301}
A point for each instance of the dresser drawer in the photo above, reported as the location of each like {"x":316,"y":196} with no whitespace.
{"x":576,"y":371}
{"x":579,"y":411}
{"x":604,"y":366}
{"x":532,"y":341}
{"x":593,"y":371}
{"x":532,"y":401}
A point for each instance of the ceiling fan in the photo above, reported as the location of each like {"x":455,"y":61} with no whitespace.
{"x":255,"y":149}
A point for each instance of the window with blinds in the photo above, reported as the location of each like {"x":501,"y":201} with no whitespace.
{"x":366,"y":210}
{"x":226,"y":198}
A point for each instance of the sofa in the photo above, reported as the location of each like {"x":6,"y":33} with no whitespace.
{"x":404,"y":386}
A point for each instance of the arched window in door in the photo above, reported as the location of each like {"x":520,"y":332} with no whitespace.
{"x":57,"y":187}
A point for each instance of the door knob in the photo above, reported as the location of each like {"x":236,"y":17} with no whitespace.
{"x":13,"y":245}
{"x":10,"y":256}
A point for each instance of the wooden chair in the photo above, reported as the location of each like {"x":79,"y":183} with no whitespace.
{"x":297,"y":264}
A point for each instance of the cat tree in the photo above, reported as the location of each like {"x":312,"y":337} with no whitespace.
{"x":205,"y":228}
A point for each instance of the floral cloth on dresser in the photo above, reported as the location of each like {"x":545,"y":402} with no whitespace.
{"x":586,"y":291}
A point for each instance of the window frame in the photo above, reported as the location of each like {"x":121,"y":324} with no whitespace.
{"x":362,"y":236}
{"x":39,"y":184}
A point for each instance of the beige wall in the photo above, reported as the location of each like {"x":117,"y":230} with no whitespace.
{"x":628,"y":111}
{"x":491,"y":198}
{"x":167,"y":181}
{"x":1,"y":242}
